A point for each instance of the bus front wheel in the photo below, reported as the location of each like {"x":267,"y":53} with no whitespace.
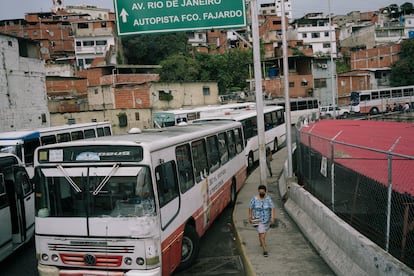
{"x":275,"y":145}
{"x":189,"y":248}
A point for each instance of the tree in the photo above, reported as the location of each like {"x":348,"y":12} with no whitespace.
{"x":179,"y":68}
{"x":402,"y":71}
{"x":153,"y":48}
{"x":406,"y":8}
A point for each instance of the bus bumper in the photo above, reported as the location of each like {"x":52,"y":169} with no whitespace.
{"x":45,"y":270}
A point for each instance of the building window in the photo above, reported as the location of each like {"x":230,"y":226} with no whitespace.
{"x":103,"y":24}
{"x":136,"y":116}
{"x":206,"y":91}
{"x":78,"y":43}
{"x":71,"y":121}
{"x":96,"y":91}
{"x":165,"y":95}
{"x":34,"y":33}
{"x":10,"y":43}
{"x":326,"y":34}
{"x":83,"y":25}
{"x":100,"y":42}
{"x":327,"y":45}
{"x":94,"y":120}
{"x":320,"y":83}
{"x":304,"y":83}
{"x":316,"y":35}
{"x":304,"y":35}
{"x":43,"y":116}
{"x":88,"y":43}
{"x":291,"y":84}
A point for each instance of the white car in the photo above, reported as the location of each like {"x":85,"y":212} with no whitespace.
{"x":327,"y":112}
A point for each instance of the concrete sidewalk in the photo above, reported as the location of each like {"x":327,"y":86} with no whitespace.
{"x":289,"y":251}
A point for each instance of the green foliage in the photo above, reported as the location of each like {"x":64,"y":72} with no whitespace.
{"x":179,"y":68}
{"x":153,"y":48}
{"x":229,"y":69}
{"x":342,"y":67}
{"x":403,"y":69}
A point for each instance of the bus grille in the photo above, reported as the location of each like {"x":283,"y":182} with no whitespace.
{"x":91,"y":260}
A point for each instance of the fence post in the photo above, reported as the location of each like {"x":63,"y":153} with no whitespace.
{"x":333,"y":170}
{"x":387,"y":242}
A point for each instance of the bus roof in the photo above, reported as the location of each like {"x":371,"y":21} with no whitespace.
{"x":235,"y":115}
{"x":155,"y":138}
{"x":17,"y":135}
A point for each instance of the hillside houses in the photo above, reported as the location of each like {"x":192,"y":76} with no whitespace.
{"x":84,"y":78}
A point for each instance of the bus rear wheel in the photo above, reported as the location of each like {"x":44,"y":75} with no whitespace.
{"x":233,"y":193}
{"x":374,"y":111}
{"x":189,"y":248}
{"x":250,"y":161}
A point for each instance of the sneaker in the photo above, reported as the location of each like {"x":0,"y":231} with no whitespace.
{"x":265,"y":254}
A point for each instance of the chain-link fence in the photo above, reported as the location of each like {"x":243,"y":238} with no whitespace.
{"x":369,"y":189}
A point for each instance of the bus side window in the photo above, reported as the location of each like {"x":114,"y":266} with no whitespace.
{"x":63,"y":137}
{"x":77,"y":135}
{"x":224,"y":155}
{"x":90,"y":133}
{"x":167,"y":185}
{"x":47,"y":140}
{"x":100,"y":132}
{"x":239,"y":140}
{"x":198,"y":149}
{"x":213,"y":155}
{"x":107,"y":131}
{"x":231,"y":143}
{"x":185,"y":168}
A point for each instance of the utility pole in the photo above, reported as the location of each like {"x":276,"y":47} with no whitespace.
{"x":259,"y":92}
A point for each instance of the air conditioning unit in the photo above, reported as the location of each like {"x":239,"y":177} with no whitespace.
{"x":324,"y":66}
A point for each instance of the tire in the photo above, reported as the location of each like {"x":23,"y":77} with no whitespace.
{"x":374,"y":111}
{"x":189,"y":248}
{"x":345,"y":115}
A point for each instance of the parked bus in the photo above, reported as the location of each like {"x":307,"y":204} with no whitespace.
{"x":175,"y":116}
{"x":23,"y":143}
{"x":275,"y":128}
{"x":137,"y":203}
{"x":299,"y":107}
{"x":16,"y":205}
{"x":381,"y":100}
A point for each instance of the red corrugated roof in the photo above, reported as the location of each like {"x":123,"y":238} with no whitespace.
{"x":370,"y":134}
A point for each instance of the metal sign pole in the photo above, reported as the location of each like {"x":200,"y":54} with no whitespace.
{"x":259,"y":93}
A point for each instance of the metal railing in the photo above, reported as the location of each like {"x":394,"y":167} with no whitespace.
{"x":379,"y":205}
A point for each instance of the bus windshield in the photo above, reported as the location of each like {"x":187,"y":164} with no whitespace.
{"x":107,"y":191}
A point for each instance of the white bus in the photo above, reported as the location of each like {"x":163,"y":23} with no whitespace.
{"x":137,"y":203}
{"x":175,"y":116}
{"x":16,"y":205}
{"x":381,"y":100}
{"x":23,"y":143}
{"x":275,"y":128}
{"x":299,"y":107}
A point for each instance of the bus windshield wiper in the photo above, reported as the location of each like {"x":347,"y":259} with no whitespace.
{"x":67,"y":177}
{"x":106,"y":179}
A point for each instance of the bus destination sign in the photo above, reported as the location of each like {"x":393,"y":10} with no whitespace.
{"x":143,"y":16}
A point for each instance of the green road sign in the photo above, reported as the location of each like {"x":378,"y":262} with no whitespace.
{"x":143,"y":16}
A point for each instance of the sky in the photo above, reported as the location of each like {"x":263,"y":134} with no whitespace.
{"x":14,"y":9}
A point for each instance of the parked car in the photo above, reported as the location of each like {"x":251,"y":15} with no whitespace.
{"x":327,"y":112}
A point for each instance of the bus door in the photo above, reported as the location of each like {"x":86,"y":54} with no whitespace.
{"x":169,"y":201}
{"x":21,"y":201}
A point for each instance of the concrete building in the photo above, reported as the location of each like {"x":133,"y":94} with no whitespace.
{"x":23,"y":101}
{"x":314,"y":29}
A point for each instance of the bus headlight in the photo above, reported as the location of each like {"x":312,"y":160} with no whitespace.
{"x":55,"y":258}
{"x":128,"y":261}
{"x":45,"y":257}
{"x":140,"y":261}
